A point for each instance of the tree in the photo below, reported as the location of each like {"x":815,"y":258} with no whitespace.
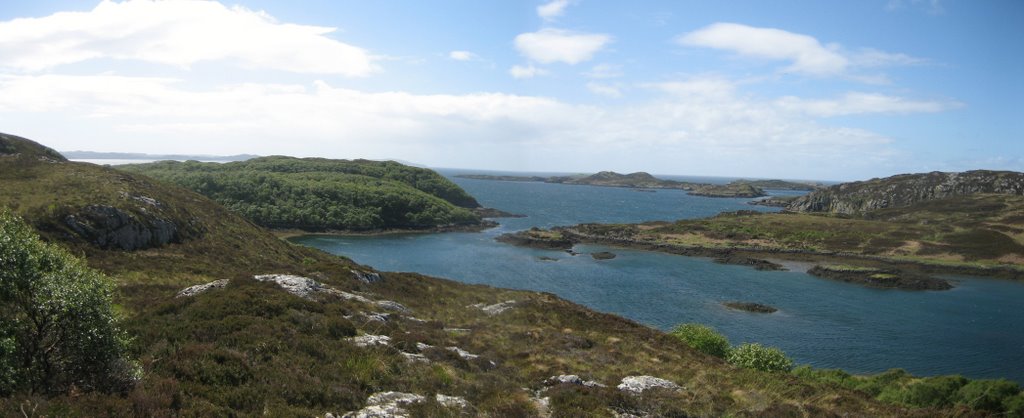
{"x":57,"y":325}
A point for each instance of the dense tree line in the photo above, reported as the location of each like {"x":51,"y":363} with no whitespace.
{"x":320,"y":194}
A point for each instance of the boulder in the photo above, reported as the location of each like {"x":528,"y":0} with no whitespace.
{"x":200,"y":288}
{"x":639,"y":384}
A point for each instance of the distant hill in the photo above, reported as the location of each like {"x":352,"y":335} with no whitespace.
{"x":907,"y":189}
{"x":317,"y":194}
{"x":642,"y":180}
{"x":93,"y":155}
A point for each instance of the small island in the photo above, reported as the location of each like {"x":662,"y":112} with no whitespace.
{"x":603,"y":255}
{"x":750,"y":307}
{"x":880,"y":278}
{"x":728,"y":190}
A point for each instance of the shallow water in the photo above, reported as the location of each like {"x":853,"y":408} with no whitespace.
{"x":971,"y":330}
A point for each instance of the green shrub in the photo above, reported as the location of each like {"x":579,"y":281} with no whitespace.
{"x":702,"y":338}
{"x":1014,"y":405}
{"x":758,"y":357}
{"x":938,"y":392}
{"x":987,"y":394}
{"x":56,"y":319}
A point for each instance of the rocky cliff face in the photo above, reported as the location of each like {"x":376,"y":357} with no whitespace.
{"x":111,"y":228}
{"x":907,"y":189}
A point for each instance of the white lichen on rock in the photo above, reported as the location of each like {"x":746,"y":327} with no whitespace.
{"x":638,"y":384}
{"x":370,"y":340}
{"x":496,"y":308}
{"x":571,"y":379}
{"x":200,"y":288}
{"x":392,"y":404}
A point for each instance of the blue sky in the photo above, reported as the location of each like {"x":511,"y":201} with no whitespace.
{"x":833,"y":90}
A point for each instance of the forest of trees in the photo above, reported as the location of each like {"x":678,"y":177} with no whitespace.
{"x":316,"y":194}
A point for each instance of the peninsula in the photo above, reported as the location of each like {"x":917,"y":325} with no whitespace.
{"x":642,"y":180}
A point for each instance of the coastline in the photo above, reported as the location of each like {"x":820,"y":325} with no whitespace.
{"x":285,"y":233}
{"x":788,"y":254}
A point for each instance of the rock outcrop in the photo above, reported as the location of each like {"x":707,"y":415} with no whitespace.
{"x":907,"y":189}
{"x":200,"y":288}
{"x":639,"y":384}
{"x":394,"y":404}
{"x":496,"y":308}
{"x":109,"y":227}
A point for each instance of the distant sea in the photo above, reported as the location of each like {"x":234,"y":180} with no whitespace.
{"x":973,"y":330}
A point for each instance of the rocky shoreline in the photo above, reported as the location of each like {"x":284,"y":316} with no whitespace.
{"x":880,"y":278}
{"x":913,"y":274}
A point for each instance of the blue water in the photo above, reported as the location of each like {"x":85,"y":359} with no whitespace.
{"x":971,"y":330}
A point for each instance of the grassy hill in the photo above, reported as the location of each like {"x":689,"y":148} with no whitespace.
{"x":246,"y":347}
{"x":316,"y":194}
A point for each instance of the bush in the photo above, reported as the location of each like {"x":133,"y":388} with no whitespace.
{"x":938,"y":392}
{"x":57,"y":324}
{"x":987,"y":394}
{"x":1014,"y":405}
{"x":758,"y":357}
{"x":702,"y":338}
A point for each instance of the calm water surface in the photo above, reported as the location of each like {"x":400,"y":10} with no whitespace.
{"x":972,"y":330}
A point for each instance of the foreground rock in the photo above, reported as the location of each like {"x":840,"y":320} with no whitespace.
{"x":603,"y":255}
{"x":750,"y":307}
{"x":394,"y":404}
{"x":200,"y":288}
{"x":880,"y":278}
{"x":307,"y":288}
{"x":639,"y":384}
{"x":496,"y":308}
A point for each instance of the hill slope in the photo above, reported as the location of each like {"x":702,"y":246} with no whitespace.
{"x":316,"y":194}
{"x":906,"y":189}
{"x":287,"y":346}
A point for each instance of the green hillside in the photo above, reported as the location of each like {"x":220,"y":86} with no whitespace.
{"x":315,"y":194}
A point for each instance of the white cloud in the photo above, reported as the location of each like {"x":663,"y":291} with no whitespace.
{"x":700,"y":126}
{"x":552,"y":10}
{"x":526,"y":71}
{"x":462,"y":55}
{"x":605,"y":90}
{"x":604,"y":71}
{"x":705,"y":88}
{"x":933,"y":7}
{"x":177,"y":33}
{"x":556,"y":45}
{"x":807,"y":54}
{"x":869,"y":57}
{"x":863,"y":103}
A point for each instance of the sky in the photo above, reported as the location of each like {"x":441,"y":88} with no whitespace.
{"x":825,"y":90}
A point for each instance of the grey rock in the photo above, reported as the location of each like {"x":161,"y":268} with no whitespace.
{"x":391,"y":305}
{"x":496,"y":308}
{"x":370,"y":340}
{"x":391,"y":404}
{"x":639,"y":384}
{"x":367,"y":277}
{"x":415,"y":358}
{"x":109,"y":227}
{"x":299,"y":286}
{"x":571,"y":379}
{"x":200,"y":288}
{"x":463,"y":353}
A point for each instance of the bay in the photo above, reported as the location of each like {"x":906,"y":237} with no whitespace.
{"x":971,"y":330}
